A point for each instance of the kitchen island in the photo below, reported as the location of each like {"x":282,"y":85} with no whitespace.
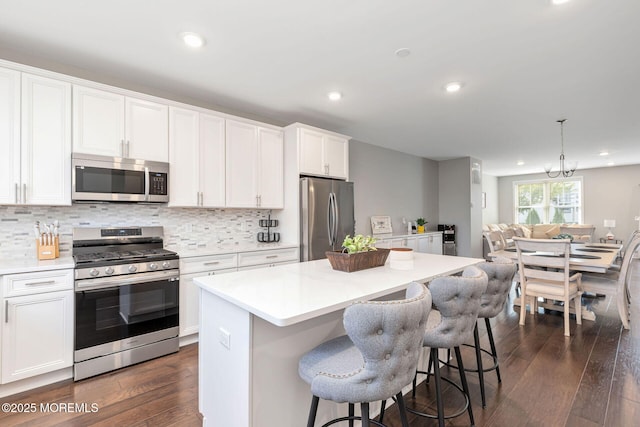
{"x":255,"y":325}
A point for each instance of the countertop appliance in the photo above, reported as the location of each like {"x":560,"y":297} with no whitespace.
{"x":448,"y":238}
{"x":326,"y":216}
{"x":116,"y":179}
{"x":126,"y":298}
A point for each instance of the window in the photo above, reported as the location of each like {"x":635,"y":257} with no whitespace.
{"x":548,"y":202}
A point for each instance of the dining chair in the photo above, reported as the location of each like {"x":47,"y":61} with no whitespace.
{"x":581,"y":233}
{"x":616,"y":283}
{"x":374,"y":361}
{"x":544,"y":272}
{"x":495,"y":240}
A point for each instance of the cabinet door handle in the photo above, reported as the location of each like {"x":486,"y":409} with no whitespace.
{"x":271,"y":256}
{"x":44,"y":282}
{"x":212,"y":263}
{"x":122,"y":148}
{"x":6,"y":311}
{"x":24,"y":193}
{"x":128,"y":149}
{"x":17,"y":193}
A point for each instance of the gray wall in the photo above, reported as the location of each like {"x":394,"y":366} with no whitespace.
{"x":388,"y":182}
{"x":460,"y":204}
{"x":490,"y":188}
{"x":609,"y":193}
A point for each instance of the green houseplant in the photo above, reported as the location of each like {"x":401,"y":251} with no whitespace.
{"x":420,"y":222}
{"x":358,"y":253}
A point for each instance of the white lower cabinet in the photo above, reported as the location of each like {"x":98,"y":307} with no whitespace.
{"x":430,"y":243}
{"x":191,"y":268}
{"x":37,"y":328}
{"x":269,"y":258}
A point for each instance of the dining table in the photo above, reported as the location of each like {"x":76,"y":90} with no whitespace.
{"x":584,"y":257}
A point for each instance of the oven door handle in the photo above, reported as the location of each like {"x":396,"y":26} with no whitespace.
{"x":134,"y":279}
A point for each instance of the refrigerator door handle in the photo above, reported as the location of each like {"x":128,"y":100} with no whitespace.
{"x":330,"y":219}
{"x":335,"y":218}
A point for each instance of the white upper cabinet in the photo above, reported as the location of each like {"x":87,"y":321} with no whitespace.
{"x":255,"y":166}
{"x":146,"y":130}
{"x":322,"y":153}
{"x":109,"y":124}
{"x":197,"y":158}
{"x":9,"y":136}
{"x":35,"y":134}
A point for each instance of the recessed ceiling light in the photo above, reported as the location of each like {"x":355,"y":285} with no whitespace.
{"x":520,"y":163}
{"x":192,"y":39}
{"x":334,"y":96}
{"x":604,"y":153}
{"x":453,"y":87}
{"x":403,"y":52}
{"x":559,"y":1}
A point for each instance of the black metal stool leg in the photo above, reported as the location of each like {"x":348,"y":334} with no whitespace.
{"x":436,"y":373}
{"x":415,"y":382}
{"x":465,"y":385}
{"x":476,"y":340}
{"x":493,"y":347}
{"x":402,"y":409}
{"x":429,"y":366}
{"x":364,"y":412}
{"x":383,"y":406}
{"x":351,"y":414}
{"x":312,"y":411}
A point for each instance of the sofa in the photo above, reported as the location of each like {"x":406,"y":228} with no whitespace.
{"x":580,"y":232}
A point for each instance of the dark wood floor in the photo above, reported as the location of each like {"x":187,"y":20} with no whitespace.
{"x":589,"y":379}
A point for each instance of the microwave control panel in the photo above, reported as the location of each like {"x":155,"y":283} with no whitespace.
{"x":158,"y":184}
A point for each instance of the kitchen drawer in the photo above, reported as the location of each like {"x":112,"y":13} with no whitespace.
{"x":267,"y":257}
{"x":36,"y":283}
{"x":273,"y":264}
{"x":208,"y":263}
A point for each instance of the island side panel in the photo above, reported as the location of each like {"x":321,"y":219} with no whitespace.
{"x":224,"y":373}
{"x":280,"y":396}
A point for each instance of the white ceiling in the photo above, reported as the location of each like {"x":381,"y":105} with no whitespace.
{"x":524,"y":65}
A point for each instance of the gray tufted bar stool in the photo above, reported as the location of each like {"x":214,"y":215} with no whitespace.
{"x":374,"y":361}
{"x":500,"y":273}
{"x":457,"y":300}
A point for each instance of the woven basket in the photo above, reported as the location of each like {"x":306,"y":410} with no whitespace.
{"x":358,"y":261}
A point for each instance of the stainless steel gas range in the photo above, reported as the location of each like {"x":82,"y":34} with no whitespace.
{"x":126,"y":298}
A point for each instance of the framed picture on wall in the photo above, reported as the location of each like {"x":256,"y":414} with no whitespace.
{"x":476,"y":172}
{"x":380,"y":224}
{"x":484,"y":200}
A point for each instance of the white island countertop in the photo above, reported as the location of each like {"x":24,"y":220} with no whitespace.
{"x":289,"y":294}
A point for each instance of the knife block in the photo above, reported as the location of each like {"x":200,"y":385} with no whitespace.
{"x":48,"y":251}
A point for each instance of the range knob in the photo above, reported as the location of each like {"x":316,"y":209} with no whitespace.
{"x":132,"y":269}
{"x":94,"y":272}
{"x":153,"y":266}
{"x":166,"y":264}
{"x":109,"y":270}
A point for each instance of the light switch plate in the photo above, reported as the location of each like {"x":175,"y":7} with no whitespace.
{"x":224,"y":337}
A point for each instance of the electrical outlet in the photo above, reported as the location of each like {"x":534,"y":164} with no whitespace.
{"x":224,"y":337}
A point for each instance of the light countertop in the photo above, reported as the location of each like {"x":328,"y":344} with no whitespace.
{"x":403,"y":235}
{"x":292,"y":293}
{"x":27,"y":265}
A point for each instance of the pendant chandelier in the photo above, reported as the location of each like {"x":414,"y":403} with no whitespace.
{"x":565,"y":170}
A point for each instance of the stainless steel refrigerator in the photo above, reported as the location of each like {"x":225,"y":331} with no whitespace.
{"x":326,"y":216}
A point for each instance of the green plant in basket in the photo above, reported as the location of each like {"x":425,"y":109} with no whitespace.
{"x":358,"y":243}
{"x":420,"y":221}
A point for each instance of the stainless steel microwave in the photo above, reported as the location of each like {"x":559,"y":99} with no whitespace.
{"x":115,"y":179}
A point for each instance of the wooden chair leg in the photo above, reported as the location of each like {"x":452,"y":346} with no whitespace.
{"x":523,"y":308}
{"x":578,"y":304}
{"x":566,"y":317}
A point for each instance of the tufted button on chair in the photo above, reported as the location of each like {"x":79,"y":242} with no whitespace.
{"x":457,"y":300}
{"x":374,"y":361}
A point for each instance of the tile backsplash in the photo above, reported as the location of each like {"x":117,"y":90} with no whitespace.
{"x":182,"y":226}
